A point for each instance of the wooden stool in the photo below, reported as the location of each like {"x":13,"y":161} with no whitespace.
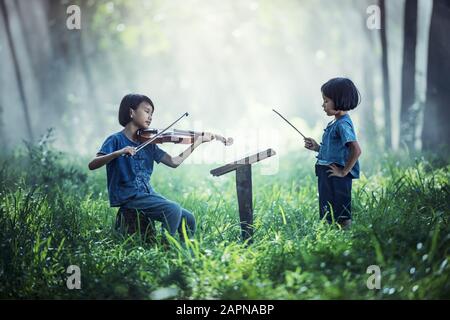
{"x":130,"y":221}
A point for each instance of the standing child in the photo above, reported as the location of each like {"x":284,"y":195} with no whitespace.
{"x":129,"y":177}
{"x":337,"y":161}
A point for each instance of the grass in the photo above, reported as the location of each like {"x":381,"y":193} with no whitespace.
{"x":54,"y":213}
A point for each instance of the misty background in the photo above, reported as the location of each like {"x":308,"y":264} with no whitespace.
{"x":227,"y":63}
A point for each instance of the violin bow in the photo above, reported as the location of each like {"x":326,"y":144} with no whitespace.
{"x":160,"y":133}
{"x":288,"y":122}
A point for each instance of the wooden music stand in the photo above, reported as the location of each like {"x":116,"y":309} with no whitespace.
{"x":243,"y":169}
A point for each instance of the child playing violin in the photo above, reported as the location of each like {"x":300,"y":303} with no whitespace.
{"x":337,"y":161}
{"x":128,"y":177}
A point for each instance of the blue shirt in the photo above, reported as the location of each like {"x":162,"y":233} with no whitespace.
{"x":333,"y":148}
{"x":128,"y":176}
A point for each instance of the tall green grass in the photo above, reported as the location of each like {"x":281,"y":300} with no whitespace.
{"x":54,"y":213}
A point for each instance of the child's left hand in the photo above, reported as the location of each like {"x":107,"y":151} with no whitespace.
{"x":336,"y":171}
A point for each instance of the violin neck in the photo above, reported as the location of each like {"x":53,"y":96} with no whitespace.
{"x":187,"y":132}
{"x":225,"y":141}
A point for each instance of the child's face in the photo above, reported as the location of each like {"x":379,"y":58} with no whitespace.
{"x":328,"y":106}
{"x":142,"y":116}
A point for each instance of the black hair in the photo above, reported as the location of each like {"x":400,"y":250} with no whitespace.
{"x":343,"y":92}
{"x":131,"y":101}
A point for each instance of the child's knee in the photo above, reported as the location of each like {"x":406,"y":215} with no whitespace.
{"x":174,"y":209}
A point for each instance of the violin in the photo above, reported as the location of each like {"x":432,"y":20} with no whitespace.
{"x":176,"y":136}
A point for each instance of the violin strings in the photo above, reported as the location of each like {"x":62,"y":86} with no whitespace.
{"x":160,"y":133}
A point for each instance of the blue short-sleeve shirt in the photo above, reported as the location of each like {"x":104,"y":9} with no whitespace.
{"x":128,"y":176}
{"x":333,"y":148}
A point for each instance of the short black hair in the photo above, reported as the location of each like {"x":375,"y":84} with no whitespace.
{"x":132,"y":101}
{"x":343,"y":92}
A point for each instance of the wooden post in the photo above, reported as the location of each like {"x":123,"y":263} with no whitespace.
{"x":245,"y":201}
{"x":243,"y":170}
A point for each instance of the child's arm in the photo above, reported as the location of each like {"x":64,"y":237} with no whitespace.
{"x":101,"y":160}
{"x":355,"y":152}
{"x":174,"y":162}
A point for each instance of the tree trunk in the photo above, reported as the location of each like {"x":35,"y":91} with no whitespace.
{"x":20,"y":86}
{"x":3,"y":140}
{"x":408,"y":115}
{"x":58,"y":63}
{"x":369,"y":62}
{"x":436,"y":129}
{"x":369,"y":128}
{"x":386,"y":83}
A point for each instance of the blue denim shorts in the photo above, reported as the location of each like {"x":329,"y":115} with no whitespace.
{"x":158,"y":208}
{"x":334,"y":191}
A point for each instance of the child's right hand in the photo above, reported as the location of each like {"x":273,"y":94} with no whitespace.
{"x":128,"y":151}
{"x":311,"y":144}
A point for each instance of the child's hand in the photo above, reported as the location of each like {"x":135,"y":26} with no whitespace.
{"x":336,"y":171}
{"x":311,"y":144}
{"x":128,"y":151}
